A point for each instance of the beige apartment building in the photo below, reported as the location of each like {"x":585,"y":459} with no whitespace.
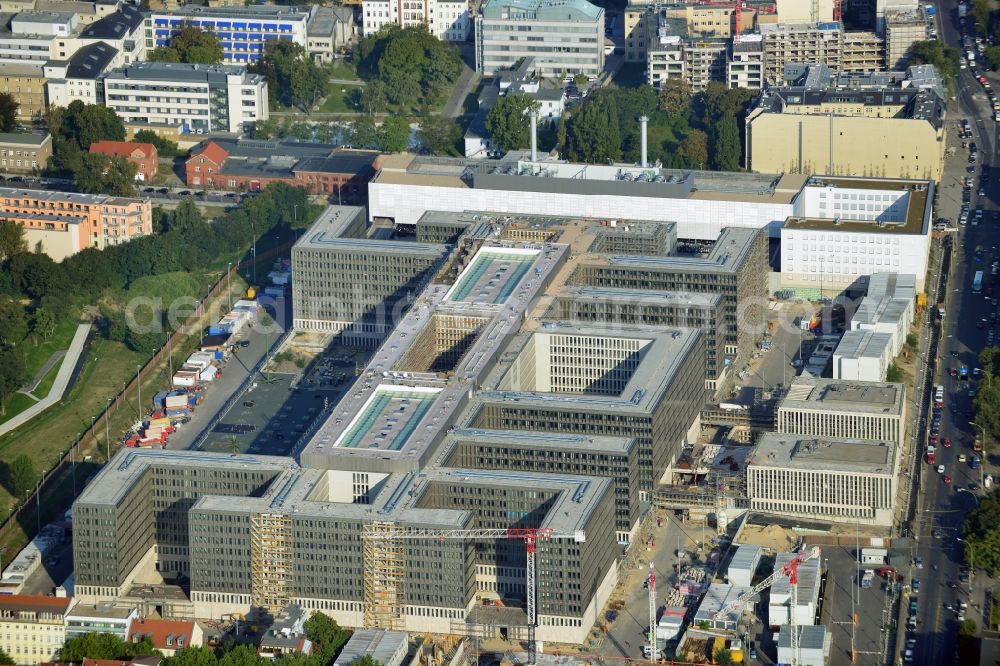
{"x":32,"y":628}
{"x":26,"y":84}
{"x":888,"y":125}
{"x":862,"y":52}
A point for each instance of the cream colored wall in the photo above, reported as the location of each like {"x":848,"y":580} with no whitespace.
{"x":32,"y":642}
{"x":887,"y":147}
{"x":56,"y":244}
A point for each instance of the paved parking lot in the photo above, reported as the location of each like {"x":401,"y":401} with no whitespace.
{"x":271,"y":416}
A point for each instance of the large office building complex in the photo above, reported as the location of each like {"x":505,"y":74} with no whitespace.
{"x":198,"y":98}
{"x":889,"y":124}
{"x":477,"y":391}
{"x":565,"y":37}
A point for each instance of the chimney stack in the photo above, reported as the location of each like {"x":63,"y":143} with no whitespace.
{"x":534,"y":136}
{"x":643,"y":121}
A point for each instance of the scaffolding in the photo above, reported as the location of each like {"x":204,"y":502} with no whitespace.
{"x":384,"y":577}
{"x":271,"y":568}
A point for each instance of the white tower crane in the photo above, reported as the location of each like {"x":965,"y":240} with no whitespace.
{"x":789,"y":570}
{"x":530,"y":535}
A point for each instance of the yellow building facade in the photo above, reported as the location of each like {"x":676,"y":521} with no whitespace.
{"x":872,"y":143}
{"x":26,"y":84}
{"x":32,"y":628}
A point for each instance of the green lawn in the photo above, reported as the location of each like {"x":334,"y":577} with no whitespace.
{"x":341,"y":99}
{"x":342,"y":70}
{"x":109,"y":366}
{"x":36,"y":358}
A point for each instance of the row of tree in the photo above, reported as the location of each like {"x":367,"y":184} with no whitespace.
{"x":74,"y":128}
{"x":436,"y":134}
{"x":685,"y":130}
{"x":327,"y":636}
{"x":37,"y":294}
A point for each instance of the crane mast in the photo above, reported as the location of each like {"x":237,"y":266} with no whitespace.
{"x":789,"y":570}
{"x":652,"y":613}
{"x":385,"y":531}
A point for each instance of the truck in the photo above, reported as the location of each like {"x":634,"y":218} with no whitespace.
{"x":939,"y":396}
{"x":977,"y":282}
{"x":867,"y":578}
{"x":963,"y":10}
{"x":941,"y":312}
{"x":932,"y":455}
{"x":670,"y":623}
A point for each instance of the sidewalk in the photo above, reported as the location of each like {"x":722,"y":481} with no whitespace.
{"x":59,"y":387}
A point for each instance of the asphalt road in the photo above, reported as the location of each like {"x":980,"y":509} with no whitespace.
{"x":942,"y":506}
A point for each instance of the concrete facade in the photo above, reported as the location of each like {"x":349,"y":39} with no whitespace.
{"x":24,"y":153}
{"x":447,"y":20}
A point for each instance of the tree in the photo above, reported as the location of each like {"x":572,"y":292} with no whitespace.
{"x":414,"y":65}
{"x":726,"y":144}
{"x":100,"y":174}
{"x":93,"y":645}
{"x":191,"y":45}
{"x":8,"y":112}
{"x":43,"y":324}
{"x":23,"y":475}
{"x":292,"y":77}
{"x":912,"y":340}
{"x":84,"y":124}
{"x":675,"y":96}
{"x":12,"y":239}
{"x":193,"y":656}
{"x":13,"y":323}
{"x":12,"y":375}
{"x":694,"y":148}
{"x":394,"y":134}
{"x":937,"y":53}
{"x":981,"y":532}
{"x":992,"y":56}
{"x":363,"y":133}
{"x":5,"y":659}
{"x":893,"y":374}
{"x":164,"y":147}
{"x":374,"y":98}
{"x":325,"y":631}
{"x":439,"y":135}
{"x":723,"y":657}
{"x":593,"y":133}
{"x":508,"y":122}
{"x":981,"y":12}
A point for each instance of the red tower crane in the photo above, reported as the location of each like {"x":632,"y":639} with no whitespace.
{"x":529,"y":535}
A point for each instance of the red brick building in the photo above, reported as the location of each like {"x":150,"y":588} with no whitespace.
{"x":250,"y":165}
{"x":142,"y":155}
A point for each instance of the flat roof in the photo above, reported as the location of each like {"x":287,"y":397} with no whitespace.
{"x":544,"y":440}
{"x":875,"y":310}
{"x":492,"y":275}
{"x":809,"y":579}
{"x":747,"y":557}
{"x":327,"y":233}
{"x":381,"y":645}
{"x":388,"y":418}
{"x":54,"y":196}
{"x":661,"y":360}
{"x":719,"y":595}
{"x":728,"y":253}
{"x":102,"y":610}
{"x":637,"y":296}
{"x":783,"y":450}
{"x":260,"y":12}
{"x":863,"y":344}
{"x":811,"y":637}
{"x":844,"y":395}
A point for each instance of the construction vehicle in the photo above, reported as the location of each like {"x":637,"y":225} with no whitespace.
{"x":789,"y":570}
{"x":385,"y":563}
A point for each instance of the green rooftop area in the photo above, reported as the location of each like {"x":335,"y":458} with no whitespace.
{"x":913,"y":225}
{"x":492,"y":276}
{"x":388,"y":418}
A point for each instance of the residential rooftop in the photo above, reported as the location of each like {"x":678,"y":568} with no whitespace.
{"x":259,"y":12}
{"x":542,"y":10}
{"x":788,"y":451}
{"x":179,"y":71}
{"x":381,"y":645}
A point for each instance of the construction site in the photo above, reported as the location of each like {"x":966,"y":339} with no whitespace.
{"x":493,"y":472}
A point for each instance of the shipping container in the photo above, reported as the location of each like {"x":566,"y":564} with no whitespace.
{"x":176,"y":401}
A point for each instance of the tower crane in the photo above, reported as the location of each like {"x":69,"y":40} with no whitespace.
{"x":789,"y":570}
{"x":652,"y":614}
{"x":384,"y":531}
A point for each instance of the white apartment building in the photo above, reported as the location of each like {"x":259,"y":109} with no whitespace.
{"x":198,"y":98}
{"x":565,"y":37}
{"x":844,"y":232}
{"x":31,"y":37}
{"x":448,"y":20}
{"x":833,"y":408}
{"x":828,"y":479}
{"x":80,"y":77}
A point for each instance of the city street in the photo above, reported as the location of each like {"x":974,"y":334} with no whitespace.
{"x":942,"y":506}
